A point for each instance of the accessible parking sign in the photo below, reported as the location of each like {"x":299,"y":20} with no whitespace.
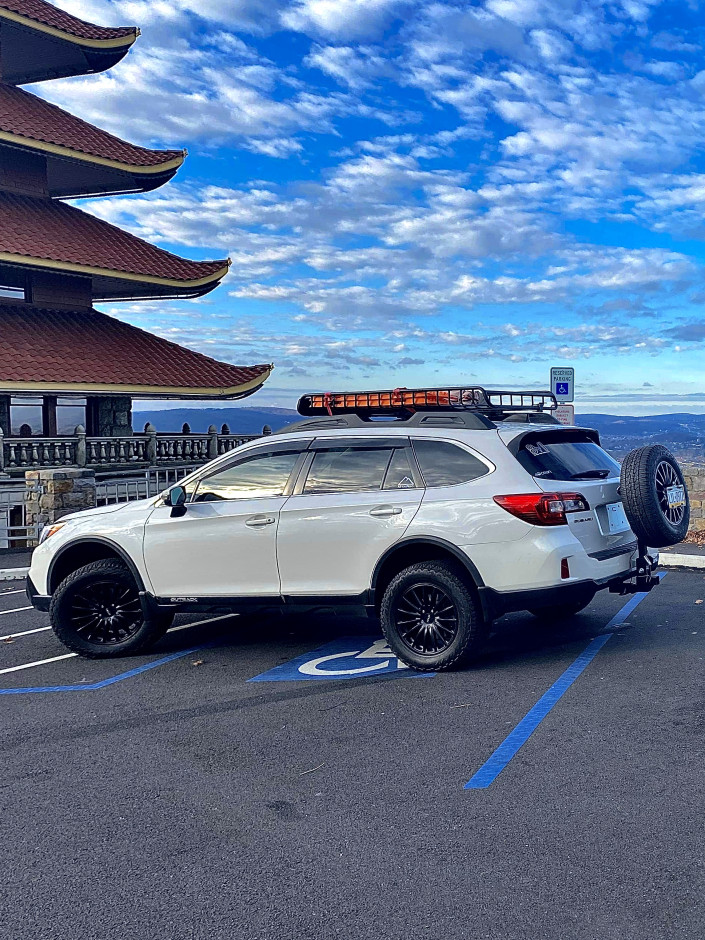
{"x":563,"y":383}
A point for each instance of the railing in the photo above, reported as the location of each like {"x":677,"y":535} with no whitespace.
{"x":149,"y":449}
{"x":127,"y":486}
{"x":14,"y":530}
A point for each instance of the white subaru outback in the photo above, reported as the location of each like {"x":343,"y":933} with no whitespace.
{"x":438,"y":510}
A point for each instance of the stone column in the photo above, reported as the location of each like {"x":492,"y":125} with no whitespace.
{"x":51,"y":494}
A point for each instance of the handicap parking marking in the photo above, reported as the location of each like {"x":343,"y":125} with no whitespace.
{"x":351,"y":657}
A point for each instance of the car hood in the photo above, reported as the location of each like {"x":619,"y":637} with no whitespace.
{"x":103,"y":510}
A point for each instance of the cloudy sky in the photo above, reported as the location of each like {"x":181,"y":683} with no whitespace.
{"x":417,"y":192}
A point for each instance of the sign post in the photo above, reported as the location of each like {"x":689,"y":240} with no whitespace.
{"x":563,"y":387}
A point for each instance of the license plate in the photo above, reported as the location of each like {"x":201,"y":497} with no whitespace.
{"x":616,"y":519}
{"x":675,"y":495}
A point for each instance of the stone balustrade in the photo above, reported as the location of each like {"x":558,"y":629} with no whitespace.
{"x":148,"y":449}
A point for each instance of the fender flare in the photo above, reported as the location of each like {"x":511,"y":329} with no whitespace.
{"x":464,"y":560}
{"x":101,"y":540}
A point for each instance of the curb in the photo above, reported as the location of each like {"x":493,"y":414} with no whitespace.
{"x":13,"y":574}
{"x":674,"y":560}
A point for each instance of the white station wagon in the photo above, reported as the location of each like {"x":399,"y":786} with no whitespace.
{"x":437,"y":510}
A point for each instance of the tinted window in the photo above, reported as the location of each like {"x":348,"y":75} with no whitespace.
{"x":399,"y":474}
{"x":347,"y":470}
{"x":445,"y":464}
{"x":570,"y":457}
{"x":262,"y":475}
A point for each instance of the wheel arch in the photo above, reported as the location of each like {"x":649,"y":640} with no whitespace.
{"x":423,"y":548}
{"x":84,"y":550}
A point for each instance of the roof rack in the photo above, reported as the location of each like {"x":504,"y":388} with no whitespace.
{"x":495,"y":404}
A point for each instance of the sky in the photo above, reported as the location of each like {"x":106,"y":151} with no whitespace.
{"x":423,"y":193}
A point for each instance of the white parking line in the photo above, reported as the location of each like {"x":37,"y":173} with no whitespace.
{"x":11,"y":636}
{"x":5,"y":593}
{"x":39,"y":662}
{"x":15,"y":610}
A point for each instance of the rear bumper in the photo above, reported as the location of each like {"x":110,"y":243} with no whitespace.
{"x":498,"y":603}
{"x":37,"y":600}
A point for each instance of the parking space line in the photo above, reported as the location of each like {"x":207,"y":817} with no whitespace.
{"x":15,"y":610}
{"x":39,"y":662}
{"x":5,"y":593}
{"x":496,"y":763}
{"x":11,"y":636}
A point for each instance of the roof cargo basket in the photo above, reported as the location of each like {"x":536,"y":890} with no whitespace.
{"x":401,"y":403}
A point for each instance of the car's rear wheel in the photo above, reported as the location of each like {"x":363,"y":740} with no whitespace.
{"x":97,"y":612}
{"x":431,"y":617}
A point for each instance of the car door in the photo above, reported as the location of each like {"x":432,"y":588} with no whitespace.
{"x":224,"y":544}
{"x":352,"y":501}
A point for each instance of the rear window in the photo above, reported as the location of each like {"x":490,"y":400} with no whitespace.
{"x":566,"y":456}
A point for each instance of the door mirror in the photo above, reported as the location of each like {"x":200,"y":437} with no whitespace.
{"x":176,"y":498}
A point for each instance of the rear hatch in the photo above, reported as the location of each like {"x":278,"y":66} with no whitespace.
{"x":570,"y":460}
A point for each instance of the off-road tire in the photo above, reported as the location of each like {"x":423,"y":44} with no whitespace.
{"x":62,"y":612}
{"x":643,"y":502}
{"x":558,"y":612}
{"x":451,"y":581}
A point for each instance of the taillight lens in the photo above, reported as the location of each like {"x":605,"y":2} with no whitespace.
{"x":543,"y":508}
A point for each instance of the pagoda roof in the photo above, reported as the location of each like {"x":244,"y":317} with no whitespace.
{"x":40,"y":41}
{"x":45,"y":234}
{"x":87,"y":352}
{"x":82,"y":160}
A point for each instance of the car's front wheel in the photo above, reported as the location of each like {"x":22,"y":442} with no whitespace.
{"x":97,"y":612}
{"x":431,"y":617}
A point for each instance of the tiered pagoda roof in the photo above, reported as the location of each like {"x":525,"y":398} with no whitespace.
{"x":60,"y":258}
{"x":81,"y":159}
{"x":62,"y":351}
{"x":39,"y":42}
{"x":46,"y":234}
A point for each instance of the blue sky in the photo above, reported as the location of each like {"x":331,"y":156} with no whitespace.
{"x":424,"y":192}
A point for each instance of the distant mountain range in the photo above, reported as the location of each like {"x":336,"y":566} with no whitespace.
{"x":683,"y":433}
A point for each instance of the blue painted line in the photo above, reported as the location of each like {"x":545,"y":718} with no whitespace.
{"x":92,"y":686}
{"x":494,"y":766}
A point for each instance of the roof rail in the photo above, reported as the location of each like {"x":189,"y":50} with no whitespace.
{"x":496,"y":404}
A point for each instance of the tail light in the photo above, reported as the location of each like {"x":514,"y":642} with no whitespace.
{"x":543,"y":508}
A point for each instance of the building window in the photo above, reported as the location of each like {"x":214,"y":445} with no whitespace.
{"x":46,"y":417}
{"x":70,"y":412}
{"x":26,"y":419}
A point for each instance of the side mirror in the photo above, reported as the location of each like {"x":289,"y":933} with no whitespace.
{"x":176,"y":498}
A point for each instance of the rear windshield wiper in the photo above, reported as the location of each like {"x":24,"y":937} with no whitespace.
{"x":591,"y":475}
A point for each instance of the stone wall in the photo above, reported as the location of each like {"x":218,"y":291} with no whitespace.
{"x":112,"y":415}
{"x":51,"y":494}
{"x":695,"y":481}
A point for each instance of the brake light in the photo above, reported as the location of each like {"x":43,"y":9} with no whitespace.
{"x":543,"y":508}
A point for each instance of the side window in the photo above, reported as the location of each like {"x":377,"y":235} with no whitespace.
{"x":264,"y":474}
{"x":399,"y":473}
{"x":347,"y":470}
{"x":444,"y":464}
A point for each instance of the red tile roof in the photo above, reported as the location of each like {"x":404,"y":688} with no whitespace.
{"x":50,"y":16}
{"x":57,"y":348}
{"x":33,"y":119}
{"x":75,"y":241}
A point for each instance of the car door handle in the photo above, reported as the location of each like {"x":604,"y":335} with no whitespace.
{"x":385,"y":511}
{"x":258,"y":521}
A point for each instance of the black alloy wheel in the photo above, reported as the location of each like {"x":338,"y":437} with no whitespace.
{"x":431,"y":616}
{"x":666,"y":477}
{"x":106,"y":612}
{"x":97,"y":612}
{"x":426,"y":619}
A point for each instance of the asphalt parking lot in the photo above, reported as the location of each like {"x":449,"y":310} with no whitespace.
{"x":167,"y":796}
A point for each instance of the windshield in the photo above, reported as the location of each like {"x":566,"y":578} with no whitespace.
{"x":572,"y":458}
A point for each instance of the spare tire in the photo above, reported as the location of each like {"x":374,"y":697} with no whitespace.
{"x":655,"y":496}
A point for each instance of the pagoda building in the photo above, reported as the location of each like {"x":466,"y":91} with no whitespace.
{"x":62,"y":362}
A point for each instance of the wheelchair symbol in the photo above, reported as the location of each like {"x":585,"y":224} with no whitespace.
{"x":379,"y":651}
{"x":562,"y":388}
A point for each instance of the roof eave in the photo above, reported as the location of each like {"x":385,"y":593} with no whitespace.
{"x":140,"y":391}
{"x":112,"y":43}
